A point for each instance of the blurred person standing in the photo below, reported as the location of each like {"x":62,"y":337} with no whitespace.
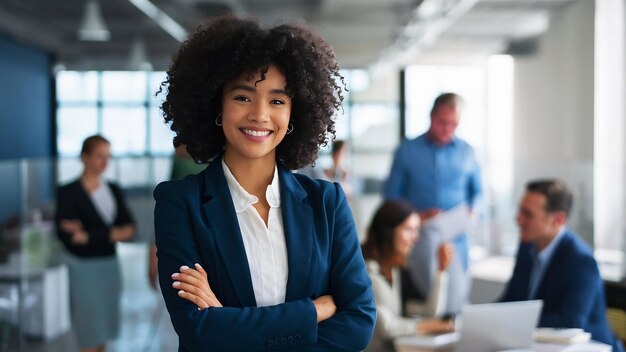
{"x":183,"y":164}
{"x":436,"y":172}
{"x":390,"y":238}
{"x":91,"y":216}
{"x":337,"y":171}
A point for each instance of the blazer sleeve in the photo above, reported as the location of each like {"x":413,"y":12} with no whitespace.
{"x":69,"y":201}
{"x":516,"y":288}
{"x":290,"y":324}
{"x":575,"y":305}
{"x":352,"y":325}
{"x":507,"y":294}
{"x":65,"y":210}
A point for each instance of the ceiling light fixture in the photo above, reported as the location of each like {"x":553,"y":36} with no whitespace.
{"x":92,"y":27}
{"x":138,"y":59}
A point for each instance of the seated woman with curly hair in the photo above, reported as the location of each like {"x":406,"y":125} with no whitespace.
{"x":390,"y":238}
{"x":250,"y":255}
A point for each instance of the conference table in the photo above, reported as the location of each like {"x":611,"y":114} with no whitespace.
{"x":419,"y":344}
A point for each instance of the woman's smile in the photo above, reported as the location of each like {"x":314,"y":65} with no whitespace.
{"x":255,"y":116}
{"x":255,"y":134}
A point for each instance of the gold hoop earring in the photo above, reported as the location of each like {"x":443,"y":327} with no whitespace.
{"x":289,"y":128}
{"x":218,"y":120}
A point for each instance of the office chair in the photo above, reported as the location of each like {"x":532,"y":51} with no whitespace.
{"x":617,"y":320}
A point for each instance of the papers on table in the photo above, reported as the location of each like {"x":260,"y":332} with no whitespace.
{"x":429,"y":341}
{"x":561,"y":336}
{"x":450,"y":341}
{"x":590,"y":346}
{"x":448,"y":224}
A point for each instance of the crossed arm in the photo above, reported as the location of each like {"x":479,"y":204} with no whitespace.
{"x":193,"y":285}
{"x":80,"y":236}
{"x":341,"y":320}
{"x":74,"y":233}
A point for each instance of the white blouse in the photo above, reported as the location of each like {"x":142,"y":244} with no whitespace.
{"x":104,"y":202}
{"x":265,"y":246}
{"x":389,"y":320}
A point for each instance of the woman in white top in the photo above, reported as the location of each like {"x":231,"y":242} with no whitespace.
{"x":390,"y":238}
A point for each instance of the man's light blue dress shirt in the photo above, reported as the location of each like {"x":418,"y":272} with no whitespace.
{"x":433,"y":176}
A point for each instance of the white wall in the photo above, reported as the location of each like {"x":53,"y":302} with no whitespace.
{"x":383,"y":87}
{"x":553,"y":127}
{"x":609,"y":191}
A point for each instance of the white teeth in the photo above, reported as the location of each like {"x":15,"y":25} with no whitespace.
{"x":255,"y":133}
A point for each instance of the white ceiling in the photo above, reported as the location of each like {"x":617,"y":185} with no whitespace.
{"x":362,"y":32}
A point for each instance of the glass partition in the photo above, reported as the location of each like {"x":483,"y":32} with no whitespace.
{"x":34,"y":297}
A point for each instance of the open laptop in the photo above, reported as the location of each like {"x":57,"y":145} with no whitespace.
{"x":498,"y":326}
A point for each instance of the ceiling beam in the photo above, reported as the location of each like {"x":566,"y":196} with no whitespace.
{"x":166,"y":22}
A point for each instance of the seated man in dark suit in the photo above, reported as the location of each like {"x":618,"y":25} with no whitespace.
{"x":553,"y":264}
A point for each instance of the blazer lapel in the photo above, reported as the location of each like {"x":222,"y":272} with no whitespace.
{"x":299,"y":232}
{"x":526,"y":266}
{"x":220,"y":214}
{"x":86,"y":202}
{"x":552,"y":268}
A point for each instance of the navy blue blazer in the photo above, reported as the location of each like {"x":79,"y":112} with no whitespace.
{"x":195,"y":222}
{"x":74,"y":203}
{"x":571,"y":288}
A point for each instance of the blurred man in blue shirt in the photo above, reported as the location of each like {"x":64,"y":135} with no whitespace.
{"x":436,"y":172}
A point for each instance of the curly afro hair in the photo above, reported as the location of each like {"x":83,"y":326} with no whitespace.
{"x":222,"y":50}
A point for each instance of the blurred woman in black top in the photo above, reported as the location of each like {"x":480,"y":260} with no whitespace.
{"x":91,"y":217}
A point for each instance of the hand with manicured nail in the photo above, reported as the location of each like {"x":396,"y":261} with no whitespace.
{"x":193,"y":285}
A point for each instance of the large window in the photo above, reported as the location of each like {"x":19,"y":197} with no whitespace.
{"x":119,"y":105}
{"x":122,"y":107}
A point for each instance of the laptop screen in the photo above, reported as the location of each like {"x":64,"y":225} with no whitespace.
{"x":498,"y":326}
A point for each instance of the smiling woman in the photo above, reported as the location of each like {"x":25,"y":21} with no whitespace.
{"x":255,"y":116}
{"x":250,"y":255}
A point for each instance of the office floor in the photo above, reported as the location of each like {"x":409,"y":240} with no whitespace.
{"x":145,"y":325}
